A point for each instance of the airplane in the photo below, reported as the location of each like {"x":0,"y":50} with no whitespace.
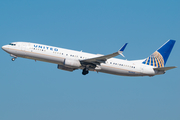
{"x":70,"y":60}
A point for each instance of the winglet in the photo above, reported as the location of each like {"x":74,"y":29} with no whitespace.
{"x":122,"y":49}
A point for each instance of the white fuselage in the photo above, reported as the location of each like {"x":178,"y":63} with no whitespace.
{"x":59,"y":55}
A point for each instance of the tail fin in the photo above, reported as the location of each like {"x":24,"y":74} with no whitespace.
{"x":160,"y":56}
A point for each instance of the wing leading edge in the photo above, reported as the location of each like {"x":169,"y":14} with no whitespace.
{"x":102,"y":59}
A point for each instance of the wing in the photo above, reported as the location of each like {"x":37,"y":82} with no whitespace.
{"x":102,"y":59}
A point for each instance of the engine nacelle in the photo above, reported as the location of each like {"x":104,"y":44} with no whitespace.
{"x":72,"y":63}
{"x":62,"y":67}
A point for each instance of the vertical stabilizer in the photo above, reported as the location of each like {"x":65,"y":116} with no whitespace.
{"x":160,"y":56}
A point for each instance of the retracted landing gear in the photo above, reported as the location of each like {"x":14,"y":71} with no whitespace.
{"x":85,"y":71}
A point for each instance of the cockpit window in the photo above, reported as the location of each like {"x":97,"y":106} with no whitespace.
{"x":12,"y":44}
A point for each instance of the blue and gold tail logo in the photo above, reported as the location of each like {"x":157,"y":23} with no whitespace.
{"x":160,"y":56}
{"x":156,"y":60}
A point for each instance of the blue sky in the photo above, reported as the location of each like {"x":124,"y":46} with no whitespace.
{"x":37,"y":90}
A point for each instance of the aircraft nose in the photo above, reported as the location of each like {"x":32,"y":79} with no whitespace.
{"x":4,"y":47}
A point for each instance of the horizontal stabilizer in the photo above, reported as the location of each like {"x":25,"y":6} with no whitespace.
{"x":165,"y":68}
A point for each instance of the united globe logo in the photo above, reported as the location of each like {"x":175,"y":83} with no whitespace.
{"x":156,"y":60}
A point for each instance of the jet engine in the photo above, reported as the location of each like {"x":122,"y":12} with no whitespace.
{"x":69,"y":65}
{"x":72,"y":63}
{"x":62,"y":67}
